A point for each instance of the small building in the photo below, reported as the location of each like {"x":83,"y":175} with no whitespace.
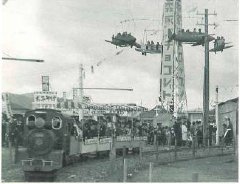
{"x":155,"y":116}
{"x":228,"y":109}
{"x":165,"y":118}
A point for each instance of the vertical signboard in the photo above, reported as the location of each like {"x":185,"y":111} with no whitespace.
{"x":75,"y":97}
{"x":75,"y":94}
{"x":64,"y":96}
{"x":45,"y":83}
{"x":180,"y":93}
{"x":172,"y":79}
{"x":167,"y":63}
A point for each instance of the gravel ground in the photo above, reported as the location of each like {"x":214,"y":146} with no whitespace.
{"x":10,"y":172}
{"x":101,"y":170}
{"x":212,"y":169}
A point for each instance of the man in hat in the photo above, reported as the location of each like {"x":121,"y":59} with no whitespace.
{"x":228,"y":134}
{"x":159,"y":134}
{"x":178,"y":133}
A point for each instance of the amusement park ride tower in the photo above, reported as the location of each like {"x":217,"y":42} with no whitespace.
{"x":172,"y":78}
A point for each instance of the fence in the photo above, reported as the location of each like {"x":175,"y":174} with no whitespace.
{"x":122,"y":168}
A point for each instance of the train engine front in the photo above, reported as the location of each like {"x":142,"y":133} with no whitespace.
{"x":47,"y":139}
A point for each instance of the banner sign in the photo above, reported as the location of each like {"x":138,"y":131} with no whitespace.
{"x":172,"y":79}
{"x":123,"y":138}
{"x":105,"y":140}
{"x":166,"y":80}
{"x":45,"y":99}
{"x":144,"y":138}
{"x":98,"y":110}
{"x":91,"y":141}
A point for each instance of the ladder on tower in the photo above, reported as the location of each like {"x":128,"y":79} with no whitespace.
{"x":8,"y":110}
{"x":6,"y":106}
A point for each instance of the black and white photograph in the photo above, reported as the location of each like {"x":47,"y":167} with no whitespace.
{"x":120,"y":91}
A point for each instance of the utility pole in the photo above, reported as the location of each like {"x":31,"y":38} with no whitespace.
{"x":174,"y":47}
{"x":206,"y":84}
{"x":216,"y":117}
{"x":206,"y":80}
{"x":80,"y":115}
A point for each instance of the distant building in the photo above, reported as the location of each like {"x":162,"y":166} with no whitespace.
{"x":197,"y":115}
{"x":155,"y":116}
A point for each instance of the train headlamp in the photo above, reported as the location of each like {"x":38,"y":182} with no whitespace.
{"x":39,"y":123}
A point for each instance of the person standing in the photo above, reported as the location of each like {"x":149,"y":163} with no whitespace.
{"x":184,"y":134}
{"x":164,"y":135}
{"x":177,"y":132}
{"x":188,"y":125}
{"x":4,"y":130}
{"x":168,"y":136}
{"x":158,"y":134}
{"x":193,"y":132}
{"x":228,"y":135}
{"x":151,"y":134}
{"x":199,"y":134}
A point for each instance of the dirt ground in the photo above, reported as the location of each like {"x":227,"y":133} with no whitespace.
{"x":213,"y":169}
{"x":220,"y":168}
{"x":91,"y":170}
{"x":10,"y":172}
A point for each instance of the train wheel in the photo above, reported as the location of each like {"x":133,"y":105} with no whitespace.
{"x":64,"y":162}
{"x":108,"y":153}
{"x":98,"y":155}
{"x":80,"y":158}
{"x":127,"y":151}
{"x":67,"y":160}
{"x":27,"y":176}
{"x":119,"y":152}
{"x":136,"y":150}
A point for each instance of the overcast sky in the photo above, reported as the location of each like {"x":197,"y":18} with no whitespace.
{"x":66,"y":33}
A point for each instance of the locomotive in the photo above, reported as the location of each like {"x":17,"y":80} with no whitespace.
{"x":54,"y":140}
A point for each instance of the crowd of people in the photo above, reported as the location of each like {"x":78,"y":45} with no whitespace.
{"x":182,"y":133}
{"x":12,"y":132}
